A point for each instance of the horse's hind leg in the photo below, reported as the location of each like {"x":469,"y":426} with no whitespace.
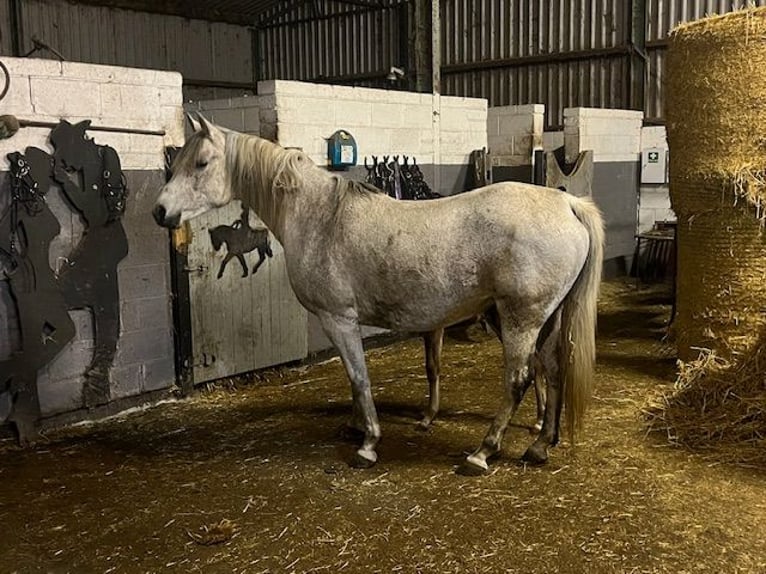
{"x":433,"y":346}
{"x":518,"y":347}
{"x":540,"y":394}
{"x":345,"y":334}
{"x":537,"y":453}
{"x":492,"y":318}
{"x":261,"y":259}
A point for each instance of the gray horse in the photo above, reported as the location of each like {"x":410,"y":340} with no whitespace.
{"x":355,"y":256}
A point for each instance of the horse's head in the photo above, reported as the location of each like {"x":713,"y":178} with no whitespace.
{"x":199,"y":182}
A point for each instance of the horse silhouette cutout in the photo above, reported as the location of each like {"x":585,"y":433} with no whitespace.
{"x":240,"y":238}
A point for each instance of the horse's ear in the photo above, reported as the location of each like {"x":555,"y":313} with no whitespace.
{"x":193,"y":122}
{"x":205,"y":124}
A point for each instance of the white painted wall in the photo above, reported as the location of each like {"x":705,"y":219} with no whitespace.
{"x":613,"y":135}
{"x":436,"y":130}
{"x":654,"y":200}
{"x":110,"y":96}
{"x":514,"y":133}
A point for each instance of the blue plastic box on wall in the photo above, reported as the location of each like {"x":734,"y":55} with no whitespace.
{"x":341,"y":150}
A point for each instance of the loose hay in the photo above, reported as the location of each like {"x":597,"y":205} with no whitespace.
{"x":716,"y":91}
{"x":716,"y":406}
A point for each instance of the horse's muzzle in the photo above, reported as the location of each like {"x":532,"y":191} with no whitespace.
{"x":161,"y":217}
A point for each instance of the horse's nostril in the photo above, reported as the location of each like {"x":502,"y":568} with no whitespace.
{"x":159,"y":214}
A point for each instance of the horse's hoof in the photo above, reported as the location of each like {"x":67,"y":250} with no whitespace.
{"x":469,"y":468}
{"x":362,"y":459}
{"x":536,"y":456}
{"x":424,"y":425}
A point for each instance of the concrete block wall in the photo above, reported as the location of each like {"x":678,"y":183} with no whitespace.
{"x":654,"y":199}
{"x":241,"y":114}
{"x":513,"y":134}
{"x":109,"y":96}
{"x":439,"y":131}
{"x":615,"y":138}
{"x":553,"y":141}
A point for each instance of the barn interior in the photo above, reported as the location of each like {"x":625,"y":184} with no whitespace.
{"x":167,"y":403}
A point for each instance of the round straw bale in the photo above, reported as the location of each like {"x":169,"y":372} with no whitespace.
{"x":716,"y":114}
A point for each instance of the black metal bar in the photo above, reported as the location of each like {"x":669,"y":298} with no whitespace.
{"x":182,"y":323}
{"x":255,"y":54}
{"x":265,"y":25}
{"x":360,"y":76}
{"x":637,"y":63}
{"x":137,"y":131}
{"x":200,"y":83}
{"x":551,"y":58}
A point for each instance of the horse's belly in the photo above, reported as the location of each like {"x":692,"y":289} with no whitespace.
{"x":414,"y":312}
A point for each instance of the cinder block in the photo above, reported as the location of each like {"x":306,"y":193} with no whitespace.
{"x":142,"y":161}
{"x":18,"y":100}
{"x":168,"y":79}
{"x":65,"y":98}
{"x":501,"y":145}
{"x":159,"y":374}
{"x":387,"y":115}
{"x":308,"y":111}
{"x":171,"y":96}
{"x":27,"y":67}
{"x":302,"y":89}
{"x":129,"y":317}
{"x":141,"y":281}
{"x":232,"y":118}
{"x":553,"y":140}
{"x":405,"y":141}
{"x":126,"y":381}
{"x":350,"y":115}
{"x":59,"y":395}
{"x":654,"y":198}
{"x":154,"y":313}
{"x":266,"y":87}
{"x":137,"y":347}
{"x":111,"y":97}
{"x":453,"y":119}
{"x":654,"y":137}
{"x":71,"y":362}
{"x":252,"y":120}
{"x":398,"y":97}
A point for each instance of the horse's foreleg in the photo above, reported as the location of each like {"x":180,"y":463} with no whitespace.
{"x":433,"y":347}
{"x":224,"y":263}
{"x":241,"y":259}
{"x":518,"y":348}
{"x":537,"y":453}
{"x":345,"y":334}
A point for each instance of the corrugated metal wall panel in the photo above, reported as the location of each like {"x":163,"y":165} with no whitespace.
{"x":6,"y":42}
{"x":340,"y":44}
{"x":201,"y":51}
{"x":496,"y":35}
{"x":664,"y":15}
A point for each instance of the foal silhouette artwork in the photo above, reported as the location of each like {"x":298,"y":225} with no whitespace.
{"x":240,"y":239}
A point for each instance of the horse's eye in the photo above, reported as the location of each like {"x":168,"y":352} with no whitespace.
{"x":201,"y":164}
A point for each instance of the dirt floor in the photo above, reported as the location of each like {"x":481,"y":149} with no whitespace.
{"x":135,"y":493}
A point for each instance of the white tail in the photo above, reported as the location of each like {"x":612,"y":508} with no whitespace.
{"x":577,"y":351}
